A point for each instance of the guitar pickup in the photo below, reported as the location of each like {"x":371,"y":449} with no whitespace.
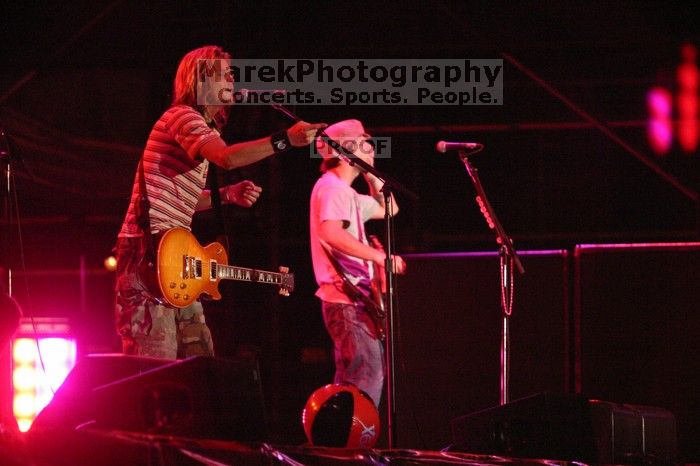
{"x":185,"y":266}
{"x":213,"y":272}
{"x":191,"y":267}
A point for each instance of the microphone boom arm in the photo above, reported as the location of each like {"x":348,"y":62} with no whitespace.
{"x":494,"y":224}
{"x":352,"y":159}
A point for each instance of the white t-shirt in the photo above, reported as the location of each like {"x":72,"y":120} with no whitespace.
{"x":333,"y":199}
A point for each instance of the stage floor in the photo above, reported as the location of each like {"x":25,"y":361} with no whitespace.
{"x":87,"y":446}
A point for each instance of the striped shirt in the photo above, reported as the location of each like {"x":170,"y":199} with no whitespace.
{"x":175,"y":172}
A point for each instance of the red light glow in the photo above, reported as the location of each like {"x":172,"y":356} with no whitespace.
{"x":660,"y":123}
{"x":35,"y":379}
{"x":687,"y":99}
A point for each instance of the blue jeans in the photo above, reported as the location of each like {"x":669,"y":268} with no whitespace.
{"x":359,"y":355}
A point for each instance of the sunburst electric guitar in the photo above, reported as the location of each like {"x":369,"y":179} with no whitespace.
{"x":187,"y":269}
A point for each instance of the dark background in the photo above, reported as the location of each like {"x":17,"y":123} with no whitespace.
{"x":83,"y":82}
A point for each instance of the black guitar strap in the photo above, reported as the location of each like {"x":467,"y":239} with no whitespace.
{"x":143,"y":218}
{"x":143,"y":206}
{"x":215,"y":195}
{"x":213,"y":177}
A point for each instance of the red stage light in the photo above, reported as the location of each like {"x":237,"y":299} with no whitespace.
{"x":688,"y":76}
{"x":660,"y":123}
{"x":40,"y":363}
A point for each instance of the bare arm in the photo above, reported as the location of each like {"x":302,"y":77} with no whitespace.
{"x":244,"y":194}
{"x":245,"y":153}
{"x":375,"y":185}
{"x":333,"y":233}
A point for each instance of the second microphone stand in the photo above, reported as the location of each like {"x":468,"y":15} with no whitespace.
{"x":508,"y":258}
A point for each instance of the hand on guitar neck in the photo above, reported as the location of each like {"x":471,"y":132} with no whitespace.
{"x":398,"y":262}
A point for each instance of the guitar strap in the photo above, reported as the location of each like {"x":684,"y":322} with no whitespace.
{"x":213,"y":177}
{"x":144,"y":204}
{"x":355,"y":293}
{"x":375,"y":311}
{"x":143,"y":218}
{"x":215,"y":195}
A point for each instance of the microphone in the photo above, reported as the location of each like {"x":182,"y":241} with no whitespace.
{"x":443,"y":146}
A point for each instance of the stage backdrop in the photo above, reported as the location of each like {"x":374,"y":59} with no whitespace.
{"x":637,"y":325}
{"x":450,"y":329}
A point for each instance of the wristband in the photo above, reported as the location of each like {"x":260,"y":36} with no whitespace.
{"x":280,"y":142}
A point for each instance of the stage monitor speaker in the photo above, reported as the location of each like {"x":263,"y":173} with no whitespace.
{"x":449,"y":332}
{"x":572,"y":428}
{"x":72,"y":403}
{"x":637,"y":325}
{"x":199,"y":397}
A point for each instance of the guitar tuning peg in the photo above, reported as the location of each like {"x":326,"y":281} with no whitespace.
{"x":284,"y":269}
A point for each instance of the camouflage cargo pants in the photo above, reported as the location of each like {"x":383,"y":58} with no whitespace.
{"x":146,"y":327}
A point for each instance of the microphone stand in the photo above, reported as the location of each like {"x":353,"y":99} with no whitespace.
{"x":389,"y":185}
{"x":507,"y":257}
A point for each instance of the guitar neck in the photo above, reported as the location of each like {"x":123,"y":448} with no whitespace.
{"x":232,"y":272}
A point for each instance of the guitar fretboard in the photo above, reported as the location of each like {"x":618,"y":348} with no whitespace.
{"x":230,"y":272}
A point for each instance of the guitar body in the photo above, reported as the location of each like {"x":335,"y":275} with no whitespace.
{"x":186,"y":269}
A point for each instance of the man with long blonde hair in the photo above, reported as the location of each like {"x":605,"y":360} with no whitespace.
{"x":183,"y":143}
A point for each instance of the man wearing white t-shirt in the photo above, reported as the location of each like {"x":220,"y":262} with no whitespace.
{"x":337,"y":217}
